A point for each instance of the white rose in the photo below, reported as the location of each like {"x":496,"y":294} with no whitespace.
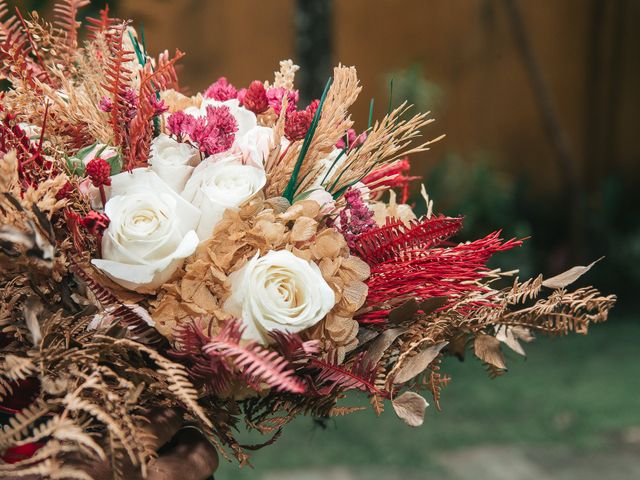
{"x":278,"y":291}
{"x":173,"y":161}
{"x":246,"y":118}
{"x":217,"y":185}
{"x":151,"y":231}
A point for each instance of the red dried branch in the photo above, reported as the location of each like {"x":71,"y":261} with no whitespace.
{"x":15,"y":49}
{"x":397,"y":239}
{"x":143,"y":332}
{"x":66,"y":14}
{"x":436,"y":272}
{"x":255,"y":363}
{"x":141,"y":128}
{"x":42,"y":68}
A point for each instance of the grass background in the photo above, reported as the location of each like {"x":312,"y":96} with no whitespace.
{"x":579,"y":393}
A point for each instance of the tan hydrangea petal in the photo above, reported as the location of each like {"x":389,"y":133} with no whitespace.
{"x":303,"y":229}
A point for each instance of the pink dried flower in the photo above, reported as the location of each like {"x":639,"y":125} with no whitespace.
{"x":255,"y":98}
{"x":312,"y":108}
{"x":221,"y":90}
{"x":275,"y":96}
{"x":99,"y":171}
{"x":297,"y":125}
{"x":355,"y":218}
{"x":131,"y":100}
{"x":158,"y":105}
{"x":215,"y":133}
{"x":105,"y":105}
{"x":180,"y":123}
{"x":352,"y":140}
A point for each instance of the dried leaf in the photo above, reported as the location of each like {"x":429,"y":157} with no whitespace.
{"x":417,"y":364}
{"x":404,"y":312}
{"x":430,"y":305}
{"x":410,"y":408}
{"x":487,"y":349}
{"x":384,"y":341}
{"x":568,"y":277}
{"x":510,"y":336}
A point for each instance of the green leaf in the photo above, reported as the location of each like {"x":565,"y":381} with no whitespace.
{"x":75,"y":166}
{"x":290,"y":189}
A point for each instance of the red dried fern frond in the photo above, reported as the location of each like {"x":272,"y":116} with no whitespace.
{"x":211,"y":372}
{"x":255,"y":363}
{"x":141,"y":129}
{"x":292,"y":347}
{"x":101,"y":25}
{"x":117,"y":83}
{"x":396,"y":239}
{"x":66,"y":18}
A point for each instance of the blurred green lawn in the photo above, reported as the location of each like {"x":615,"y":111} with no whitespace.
{"x":580,"y":393}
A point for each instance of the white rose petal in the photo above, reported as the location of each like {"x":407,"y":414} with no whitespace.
{"x":278,"y":291}
{"x":151,"y":231}
{"x":256,"y":145}
{"x":217,"y":185}
{"x":173,"y":161}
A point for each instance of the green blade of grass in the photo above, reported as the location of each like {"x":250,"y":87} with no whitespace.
{"x":290,"y":189}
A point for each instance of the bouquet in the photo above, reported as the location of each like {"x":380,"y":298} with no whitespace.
{"x":228,"y":257}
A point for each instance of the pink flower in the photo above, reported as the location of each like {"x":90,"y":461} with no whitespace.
{"x":297,"y":125}
{"x":275,"y":96}
{"x":180,"y":123}
{"x":255,"y":98}
{"x":355,"y":218}
{"x":352,"y":140}
{"x":158,"y":105}
{"x":99,"y":171}
{"x":105,"y":104}
{"x":215,"y":133}
{"x":221,"y":90}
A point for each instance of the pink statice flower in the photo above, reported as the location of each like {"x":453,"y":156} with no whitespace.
{"x":355,"y":218}
{"x":180,"y":124}
{"x":158,"y":105}
{"x":105,"y":105}
{"x":275,"y":96}
{"x":221,"y":90}
{"x":214,"y":133}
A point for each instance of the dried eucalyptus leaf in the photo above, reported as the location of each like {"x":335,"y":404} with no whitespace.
{"x":417,"y":364}
{"x":410,"y":408}
{"x":404,"y":312}
{"x":430,"y":305}
{"x":510,"y":336}
{"x":567,"y":278}
{"x":384,"y":341}
{"x":487,"y":349}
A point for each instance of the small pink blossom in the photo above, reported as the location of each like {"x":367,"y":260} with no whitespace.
{"x":221,"y":90}
{"x":105,"y":105}
{"x":275,"y":96}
